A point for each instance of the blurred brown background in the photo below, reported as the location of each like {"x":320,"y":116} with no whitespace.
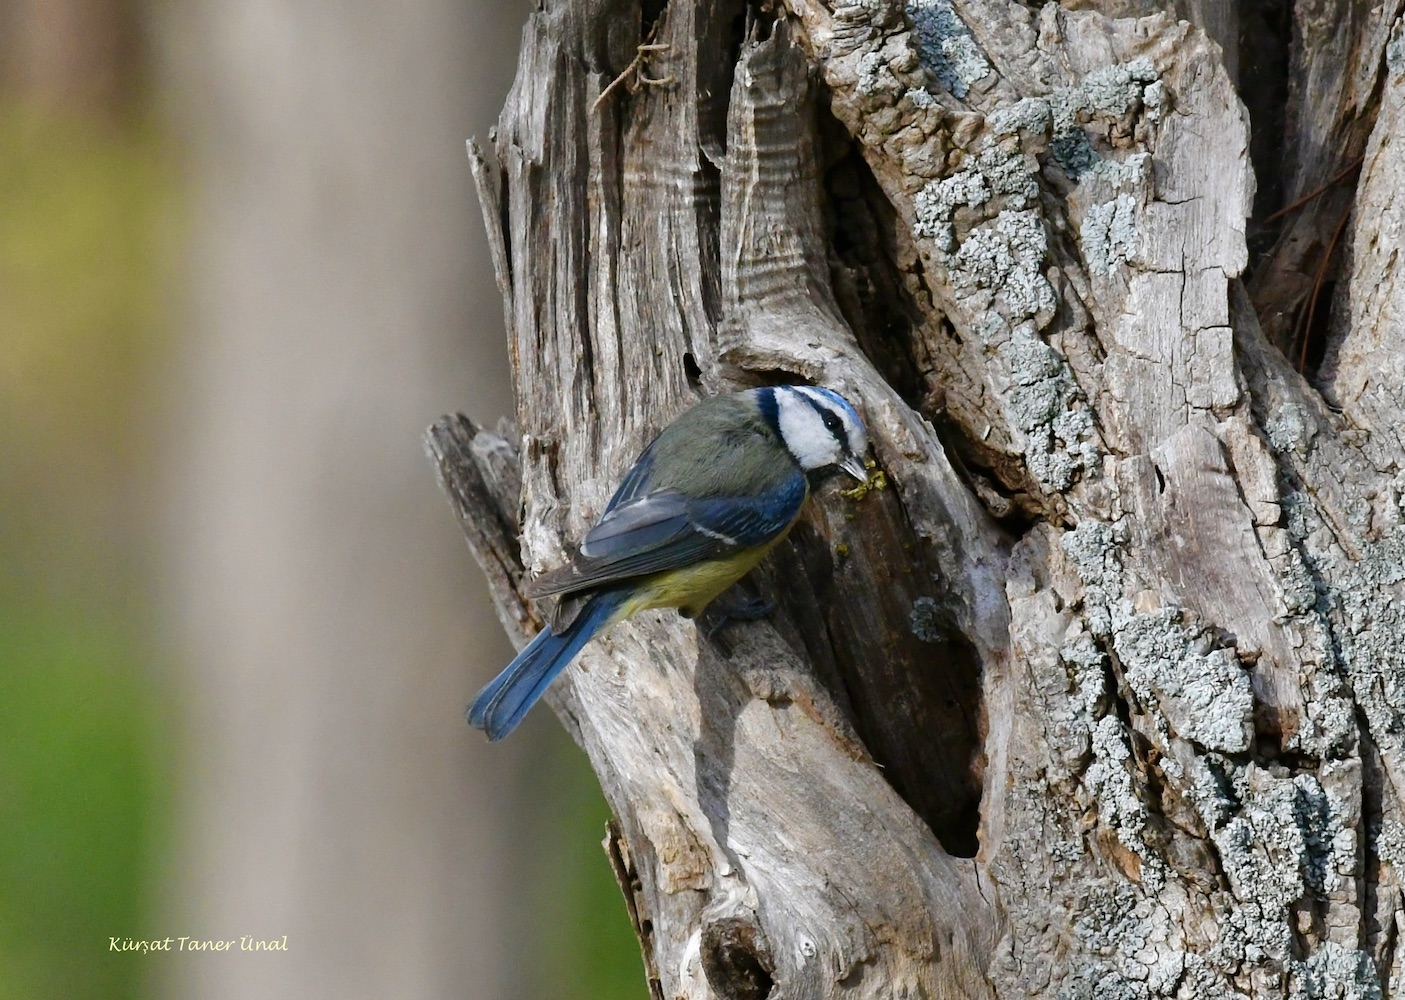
{"x":241,"y":268}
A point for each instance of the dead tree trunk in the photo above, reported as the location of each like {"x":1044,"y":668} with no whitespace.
{"x":1106,"y":697}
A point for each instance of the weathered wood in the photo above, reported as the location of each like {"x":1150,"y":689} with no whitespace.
{"x":1128,"y":621}
{"x":479,"y":471}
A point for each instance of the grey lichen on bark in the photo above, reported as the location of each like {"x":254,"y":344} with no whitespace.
{"x":1104,"y":697}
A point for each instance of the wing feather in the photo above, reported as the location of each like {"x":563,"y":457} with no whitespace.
{"x":667,"y":530}
{"x":636,"y":481}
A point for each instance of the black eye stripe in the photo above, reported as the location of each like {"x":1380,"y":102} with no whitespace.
{"x":831,"y":422}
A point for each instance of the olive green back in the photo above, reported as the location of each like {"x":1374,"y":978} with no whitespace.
{"x":721,"y":447}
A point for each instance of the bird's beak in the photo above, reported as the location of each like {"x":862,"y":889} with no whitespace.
{"x":854,"y":466}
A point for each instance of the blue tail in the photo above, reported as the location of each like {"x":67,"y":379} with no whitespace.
{"x":501,"y":705}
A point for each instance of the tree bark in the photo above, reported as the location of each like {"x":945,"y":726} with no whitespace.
{"x":1105,"y":697}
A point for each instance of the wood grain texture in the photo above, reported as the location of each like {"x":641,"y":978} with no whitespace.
{"x":1102,"y":698}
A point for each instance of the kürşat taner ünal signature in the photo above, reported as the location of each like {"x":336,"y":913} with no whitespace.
{"x":245,"y":943}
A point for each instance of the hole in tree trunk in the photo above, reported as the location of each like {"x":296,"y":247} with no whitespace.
{"x":1265,"y":37}
{"x":737,"y":960}
{"x":876,"y":616}
{"x":691,"y":369}
{"x":874,"y":619}
{"x":866,"y":280}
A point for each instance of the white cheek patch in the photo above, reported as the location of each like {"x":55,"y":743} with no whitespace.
{"x":804,"y":432}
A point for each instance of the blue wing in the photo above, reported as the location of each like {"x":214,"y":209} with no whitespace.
{"x":666,"y":529}
{"x":636,"y":481}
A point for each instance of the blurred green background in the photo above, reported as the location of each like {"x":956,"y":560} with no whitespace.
{"x":144,"y":734}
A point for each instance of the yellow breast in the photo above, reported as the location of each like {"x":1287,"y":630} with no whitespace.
{"x":692,"y":588}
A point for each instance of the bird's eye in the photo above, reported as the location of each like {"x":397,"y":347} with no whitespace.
{"x":831,"y":422}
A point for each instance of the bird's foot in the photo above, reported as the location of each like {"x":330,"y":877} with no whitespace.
{"x":721,"y":613}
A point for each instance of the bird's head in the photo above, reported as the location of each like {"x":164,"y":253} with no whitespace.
{"x":820,"y":428}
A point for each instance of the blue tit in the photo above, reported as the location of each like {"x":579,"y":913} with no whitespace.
{"x":704,"y":503}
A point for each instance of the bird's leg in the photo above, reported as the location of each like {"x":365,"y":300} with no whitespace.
{"x":737,"y":604}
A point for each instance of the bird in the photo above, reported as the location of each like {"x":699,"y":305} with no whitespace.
{"x":702,"y":505}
